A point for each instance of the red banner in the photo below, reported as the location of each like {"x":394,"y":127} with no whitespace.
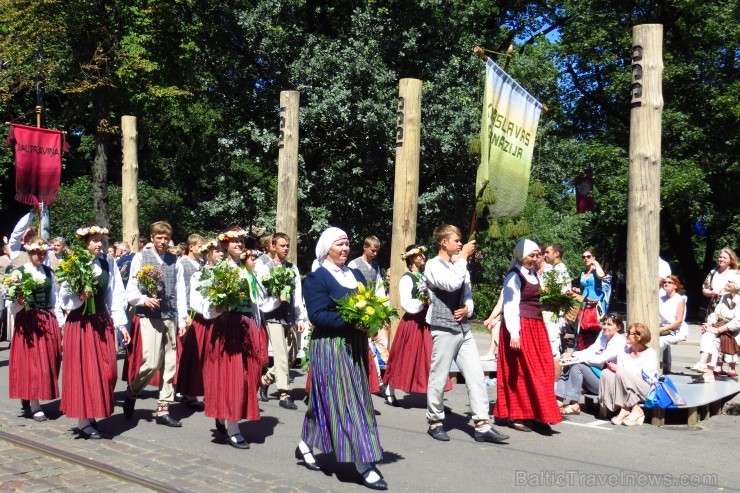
{"x":584,"y":192}
{"x":38,"y":163}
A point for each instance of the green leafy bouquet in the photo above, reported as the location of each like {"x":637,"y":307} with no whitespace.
{"x":223,"y":286}
{"x":76,"y":269}
{"x":365,"y":310}
{"x":555,"y":295}
{"x":280,"y":282}
{"x":21,"y":283}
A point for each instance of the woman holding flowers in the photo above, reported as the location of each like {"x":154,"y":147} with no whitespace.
{"x":411,"y":353}
{"x":340,"y":416}
{"x":229,"y":294}
{"x":92,"y":291}
{"x":35,"y":351}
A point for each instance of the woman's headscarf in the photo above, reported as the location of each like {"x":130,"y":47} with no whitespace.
{"x":522,"y":249}
{"x":326,"y":240}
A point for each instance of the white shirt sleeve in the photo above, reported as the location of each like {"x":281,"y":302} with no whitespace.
{"x":16,"y":237}
{"x":134,"y":296}
{"x":180,"y":296}
{"x":301,"y":315}
{"x":409,"y":303}
{"x":446,"y":276}
{"x":198,"y":302}
{"x":512,"y":297}
{"x":269,"y":303}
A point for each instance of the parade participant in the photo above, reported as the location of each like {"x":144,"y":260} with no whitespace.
{"x":236,"y":349}
{"x":267,"y":254}
{"x":35,"y":350}
{"x":160,"y":315}
{"x":553,"y":257}
{"x":410,"y":357}
{"x":448,"y":283}
{"x":282,"y":316}
{"x":188,"y":265}
{"x":525,"y":373}
{"x":90,"y":369}
{"x":340,"y":416}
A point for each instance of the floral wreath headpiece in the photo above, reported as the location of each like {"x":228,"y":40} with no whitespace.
{"x":250,"y":253}
{"x":36,"y":246}
{"x":90,"y":230}
{"x":415,"y":251}
{"x":208,"y":245}
{"x":232,"y":235}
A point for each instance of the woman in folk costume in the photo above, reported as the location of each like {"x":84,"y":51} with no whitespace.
{"x":411,"y":352}
{"x":526,"y":397}
{"x":190,"y":376}
{"x":35,"y":350}
{"x":90,"y":364}
{"x":340,"y":416}
{"x":236,"y":349}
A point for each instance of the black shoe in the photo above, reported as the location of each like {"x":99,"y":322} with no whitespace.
{"x":25,"y":404}
{"x":311,"y":466}
{"x":391,"y":400}
{"x":491,"y":435}
{"x":194,"y":404}
{"x":519,"y":426}
{"x":238,"y":441}
{"x":380,"y":484}
{"x":167,"y":420}
{"x":93,"y":435}
{"x":263,"y":392}
{"x":540,"y":427}
{"x":128,"y":406}
{"x":381,"y":392}
{"x":438,"y":433}
{"x":220,"y":427}
{"x":287,"y":403}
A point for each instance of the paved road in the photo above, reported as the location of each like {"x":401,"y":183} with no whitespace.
{"x":586,"y":454}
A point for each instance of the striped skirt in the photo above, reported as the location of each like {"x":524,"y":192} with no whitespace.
{"x":90,"y":366}
{"x":35,"y":356}
{"x":189,"y":379}
{"x":340,"y":416}
{"x":233,"y":367}
{"x":526,"y":377}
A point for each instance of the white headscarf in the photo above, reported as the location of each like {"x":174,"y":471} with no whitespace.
{"x":522,"y":249}
{"x":326,"y":240}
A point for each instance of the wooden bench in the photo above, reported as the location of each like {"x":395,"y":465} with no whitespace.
{"x":703,"y":400}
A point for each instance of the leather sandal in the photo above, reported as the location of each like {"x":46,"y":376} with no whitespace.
{"x":570,"y":410}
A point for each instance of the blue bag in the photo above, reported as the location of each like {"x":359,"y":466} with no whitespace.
{"x":662,"y":393}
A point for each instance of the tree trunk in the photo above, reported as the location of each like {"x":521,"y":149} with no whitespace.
{"x":100,"y":162}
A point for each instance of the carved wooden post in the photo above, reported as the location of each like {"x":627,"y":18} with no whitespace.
{"x":286,"y":220}
{"x":129,"y":181}
{"x":406,"y":188}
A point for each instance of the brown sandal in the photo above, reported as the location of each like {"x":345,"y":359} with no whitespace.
{"x":570,"y":410}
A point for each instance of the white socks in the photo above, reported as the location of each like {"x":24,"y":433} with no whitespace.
{"x":368,"y":472}
{"x":306,"y":452}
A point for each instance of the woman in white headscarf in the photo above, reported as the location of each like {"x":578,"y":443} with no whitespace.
{"x":526,"y":397}
{"x":340,"y":416}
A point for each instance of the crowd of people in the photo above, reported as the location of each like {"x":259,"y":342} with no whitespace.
{"x":181,"y":341}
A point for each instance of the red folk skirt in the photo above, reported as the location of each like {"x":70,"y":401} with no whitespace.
{"x":236,"y":351}
{"x":134,"y":357}
{"x":90,"y":366}
{"x":189,"y":378}
{"x":35,"y":356}
{"x":525,"y":387}
{"x":410,"y":357}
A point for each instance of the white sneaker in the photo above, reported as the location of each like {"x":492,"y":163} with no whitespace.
{"x":699,"y":367}
{"x":708,"y":377}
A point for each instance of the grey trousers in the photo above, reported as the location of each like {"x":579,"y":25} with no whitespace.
{"x":577,"y":377}
{"x":460,"y":347}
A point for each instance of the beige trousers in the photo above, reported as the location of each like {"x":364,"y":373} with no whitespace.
{"x":158,"y":353}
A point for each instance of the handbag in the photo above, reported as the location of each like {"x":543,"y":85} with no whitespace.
{"x":662,"y":393}
{"x":572,"y":314}
{"x":590,"y":318}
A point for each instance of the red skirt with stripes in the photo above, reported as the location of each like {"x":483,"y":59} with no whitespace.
{"x":526,"y":377}
{"x":90,"y":366}
{"x":410,"y":358}
{"x":235,"y":353}
{"x":189,"y":378}
{"x":134,"y":357}
{"x":35,"y":356}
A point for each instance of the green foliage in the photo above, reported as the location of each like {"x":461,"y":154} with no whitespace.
{"x":485,"y":297}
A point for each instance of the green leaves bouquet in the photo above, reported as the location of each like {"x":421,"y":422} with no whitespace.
{"x":280,"y":282}
{"x":223,"y":286}
{"x":21,"y":283}
{"x":555,"y":295}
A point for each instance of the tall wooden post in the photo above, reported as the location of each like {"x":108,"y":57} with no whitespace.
{"x":129,"y":180}
{"x":643,"y":222}
{"x":286,"y":220}
{"x":406,"y":187}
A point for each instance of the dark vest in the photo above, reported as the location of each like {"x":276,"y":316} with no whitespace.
{"x":41,"y":297}
{"x":102,"y":286}
{"x":444,"y":304}
{"x":167,"y":297}
{"x":188,"y":269}
{"x":529,"y":303}
{"x":285,"y":313}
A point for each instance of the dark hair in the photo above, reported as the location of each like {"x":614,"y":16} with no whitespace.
{"x":557,"y":247}
{"x":274,"y":238}
{"x":617,"y":319}
{"x":410,"y":258}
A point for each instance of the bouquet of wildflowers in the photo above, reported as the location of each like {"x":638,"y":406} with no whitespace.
{"x":21,"y":283}
{"x":422,"y":290}
{"x":280,"y":282}
{"x":223,"y":285}
{"x":150,"y":280}
{"x":365,"y":310}
{"x":555,"y":295}
{"x":76,"y":269}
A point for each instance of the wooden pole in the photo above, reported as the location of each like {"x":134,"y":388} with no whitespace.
{"x":286,"y":220}
{"x":129,"y":180}
{"x":643,"y":222}
{"x":406,"y":187}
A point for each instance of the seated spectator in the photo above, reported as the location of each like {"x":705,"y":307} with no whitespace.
{"x":721,"y":331}
{"x":586,"y":373}
{"x":671,"y":313}
{"x":621,"y":386}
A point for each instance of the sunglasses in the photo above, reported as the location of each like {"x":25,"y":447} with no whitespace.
{"x":586,"y":256}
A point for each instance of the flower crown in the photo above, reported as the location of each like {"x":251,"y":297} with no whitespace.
{"x":208,"y":245}
{"x":36,"y":246}
{"x":90,"y":230}
{"x":250,"y":253}
{"x":415,"y":251}
{"x":232,"y":235}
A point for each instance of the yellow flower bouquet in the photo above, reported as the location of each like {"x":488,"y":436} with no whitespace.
{"x":76,"y":269}
{"x":365,"y":310}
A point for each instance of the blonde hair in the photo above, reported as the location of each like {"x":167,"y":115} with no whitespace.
{"x":444,"y":231}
